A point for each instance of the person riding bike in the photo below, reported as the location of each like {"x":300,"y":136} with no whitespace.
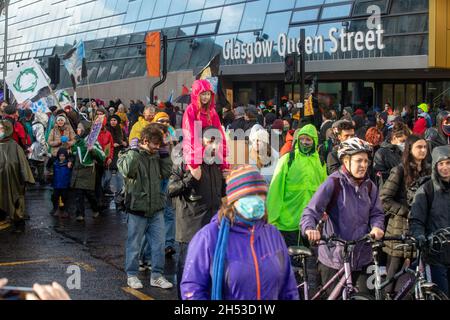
{"x":353,"y":209}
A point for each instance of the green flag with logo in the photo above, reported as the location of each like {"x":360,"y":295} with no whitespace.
{"x":26,"y":80}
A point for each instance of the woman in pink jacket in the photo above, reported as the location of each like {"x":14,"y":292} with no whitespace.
{"x":201,"y":113}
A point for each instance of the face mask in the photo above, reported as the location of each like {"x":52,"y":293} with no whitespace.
{"x":89,"y":110}
{"x":404,"y":114}
{"x":286,"y":129}
{"x":251,"y":208}
{"x":2,"y":136}
{"x":401,"y":146}
{"x":446,"y":129}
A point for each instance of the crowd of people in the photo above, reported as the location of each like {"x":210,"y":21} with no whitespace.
{"x":377,"y":172}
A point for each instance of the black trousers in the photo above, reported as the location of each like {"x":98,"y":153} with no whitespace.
{"x":183,"y":249}
{"x":359,"y":278}
{"x":80,"y":196}
{"x":64,"y":194}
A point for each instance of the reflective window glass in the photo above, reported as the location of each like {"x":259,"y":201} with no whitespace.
{"x":207,"y":28}
{"x":121,"y":52}
{"x":336,"y":11}
{"x":401,"y":6}
{"x":211,"y":14}
{"x":192,"y":17}
{"x":231,"y":18}
{"x":254,"y":15}
{"x":92,"y":71}
{"x":195,"y":5}
{"x":213,"y":3}
{"x":272,"y":29}
{"x":103,"y":71}
{"x":361,"y":7}
{"x":157,"y":24}
{"x":308,"y":3}
{"x":305,"y":15}
{"x":146,"y":10}
{"x":161,"y":8}
{"x":178,"y":6}
{"x":133,"y":11}
{"x":173,"y":21}
{"x":116,"y":70}
{"x":276,"y":5}
{"x":186,"y":31}
{"x":142,"y":26}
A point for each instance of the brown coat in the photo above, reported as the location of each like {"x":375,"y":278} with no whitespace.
{"x":54,"y":139}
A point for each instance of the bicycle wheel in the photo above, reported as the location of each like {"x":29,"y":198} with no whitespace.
{"x":434,"y":293}
{"x":361,"y":297}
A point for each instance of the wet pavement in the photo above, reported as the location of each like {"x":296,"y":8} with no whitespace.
{"x":54,"y":249}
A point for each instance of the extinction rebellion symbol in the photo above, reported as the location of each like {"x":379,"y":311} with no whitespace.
{"x":26,"y":81}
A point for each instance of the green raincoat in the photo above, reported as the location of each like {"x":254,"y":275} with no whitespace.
{"x":293,"y":187}
{"x":15,"y":172}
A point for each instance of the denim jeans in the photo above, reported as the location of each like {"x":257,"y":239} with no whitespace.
{"x":116,"y":182}
{"x":169,"y":216}
{"x":153,"y":230}
{"x":441,"y":276}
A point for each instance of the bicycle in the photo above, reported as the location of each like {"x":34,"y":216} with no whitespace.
{"x":344,"y":288}
{"x":419,"y":286}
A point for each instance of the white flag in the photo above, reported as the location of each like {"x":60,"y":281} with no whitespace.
{"x":26,"y":80}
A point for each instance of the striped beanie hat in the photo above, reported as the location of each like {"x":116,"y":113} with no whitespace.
{"x":245,"y":181}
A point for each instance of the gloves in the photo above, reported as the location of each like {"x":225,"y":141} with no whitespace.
{"x":64,"y":139}
{"x":421,"y":242}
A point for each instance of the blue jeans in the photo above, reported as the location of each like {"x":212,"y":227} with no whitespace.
{"x":440,"y":275}
{"x":152,"y":230}
{"x":169,"y":216}
{"x":116,"y":182}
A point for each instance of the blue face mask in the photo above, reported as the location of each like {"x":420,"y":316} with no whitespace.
{"x":2,"y":136}
{"x":251,"y":208}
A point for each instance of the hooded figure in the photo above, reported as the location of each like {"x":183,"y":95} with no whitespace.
{"x":195,"y":113}
{"x":39,"y":146}
{"x":441,"y":135}
{"x":424,"y":120}
{"x":431,"y":211}
{"x":15,"y":172}
{"x":61,"y":136}
{"x":297,"y":177}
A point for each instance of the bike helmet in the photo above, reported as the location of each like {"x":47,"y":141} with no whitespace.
{"x":353,"y":146}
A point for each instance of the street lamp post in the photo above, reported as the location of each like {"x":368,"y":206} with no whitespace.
{"x":4,"y":5}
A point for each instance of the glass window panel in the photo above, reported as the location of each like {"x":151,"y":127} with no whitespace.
{"x":92,"y":71}
{"x":173,"y":21}
{"x":211,"y":14}
{"x":213,"y":3}
{"x":161,"y":8}
{"x":142,"y":26}
{"x":254,"y":15}
{"x":361,"y":7}
{"x":133,"y":51}
{"x":157,"y":24}
{"x":305,"y":15}
{"x":310,"y":31}
{"x":272,"y":29}
{"x":110,"y":42}
{"x":308,"y":3}
{"x":231,"y":18}
{"x":325,"y":28}
{"x":331,"y":94}
{"x":181,"y":56}
{"x":195,"y":5}
{"x":192,"y":17}
{"x":146,"y":10}
{"x":133,"y":68}
{"x":133,"y":11}
{"x":116,"y":70}
{"x":177,"y":6}
{"x":122,"y":40}
{"x":186,"y":31}
{"x":207,"y":28}
{"x":121,"y":52}
{"x":137,"y":38}
{"x":276,"y":5}
{"x":103,"y":71}
{"x":336,"y":11}
{"x":402,"y":6}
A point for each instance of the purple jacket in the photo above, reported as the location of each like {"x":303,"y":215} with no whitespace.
{"x":353,"y":216}
{"x":257,"y":261}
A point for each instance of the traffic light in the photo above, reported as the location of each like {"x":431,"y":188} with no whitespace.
{"x":53,"y":69}
{"x":290,"y":68}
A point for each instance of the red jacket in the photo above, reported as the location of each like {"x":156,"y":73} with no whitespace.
{"x":289,"y":142}
{"x":106,"y":141}
{"x":19,"y":133}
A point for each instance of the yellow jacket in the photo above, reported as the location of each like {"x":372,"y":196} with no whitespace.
{"x":137,"y":129}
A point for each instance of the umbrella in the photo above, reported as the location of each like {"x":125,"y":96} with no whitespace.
{"x":183,"y":99}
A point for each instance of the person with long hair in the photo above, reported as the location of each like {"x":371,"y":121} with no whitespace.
{"x":397,"y":196}
{"x":238,"y":255}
